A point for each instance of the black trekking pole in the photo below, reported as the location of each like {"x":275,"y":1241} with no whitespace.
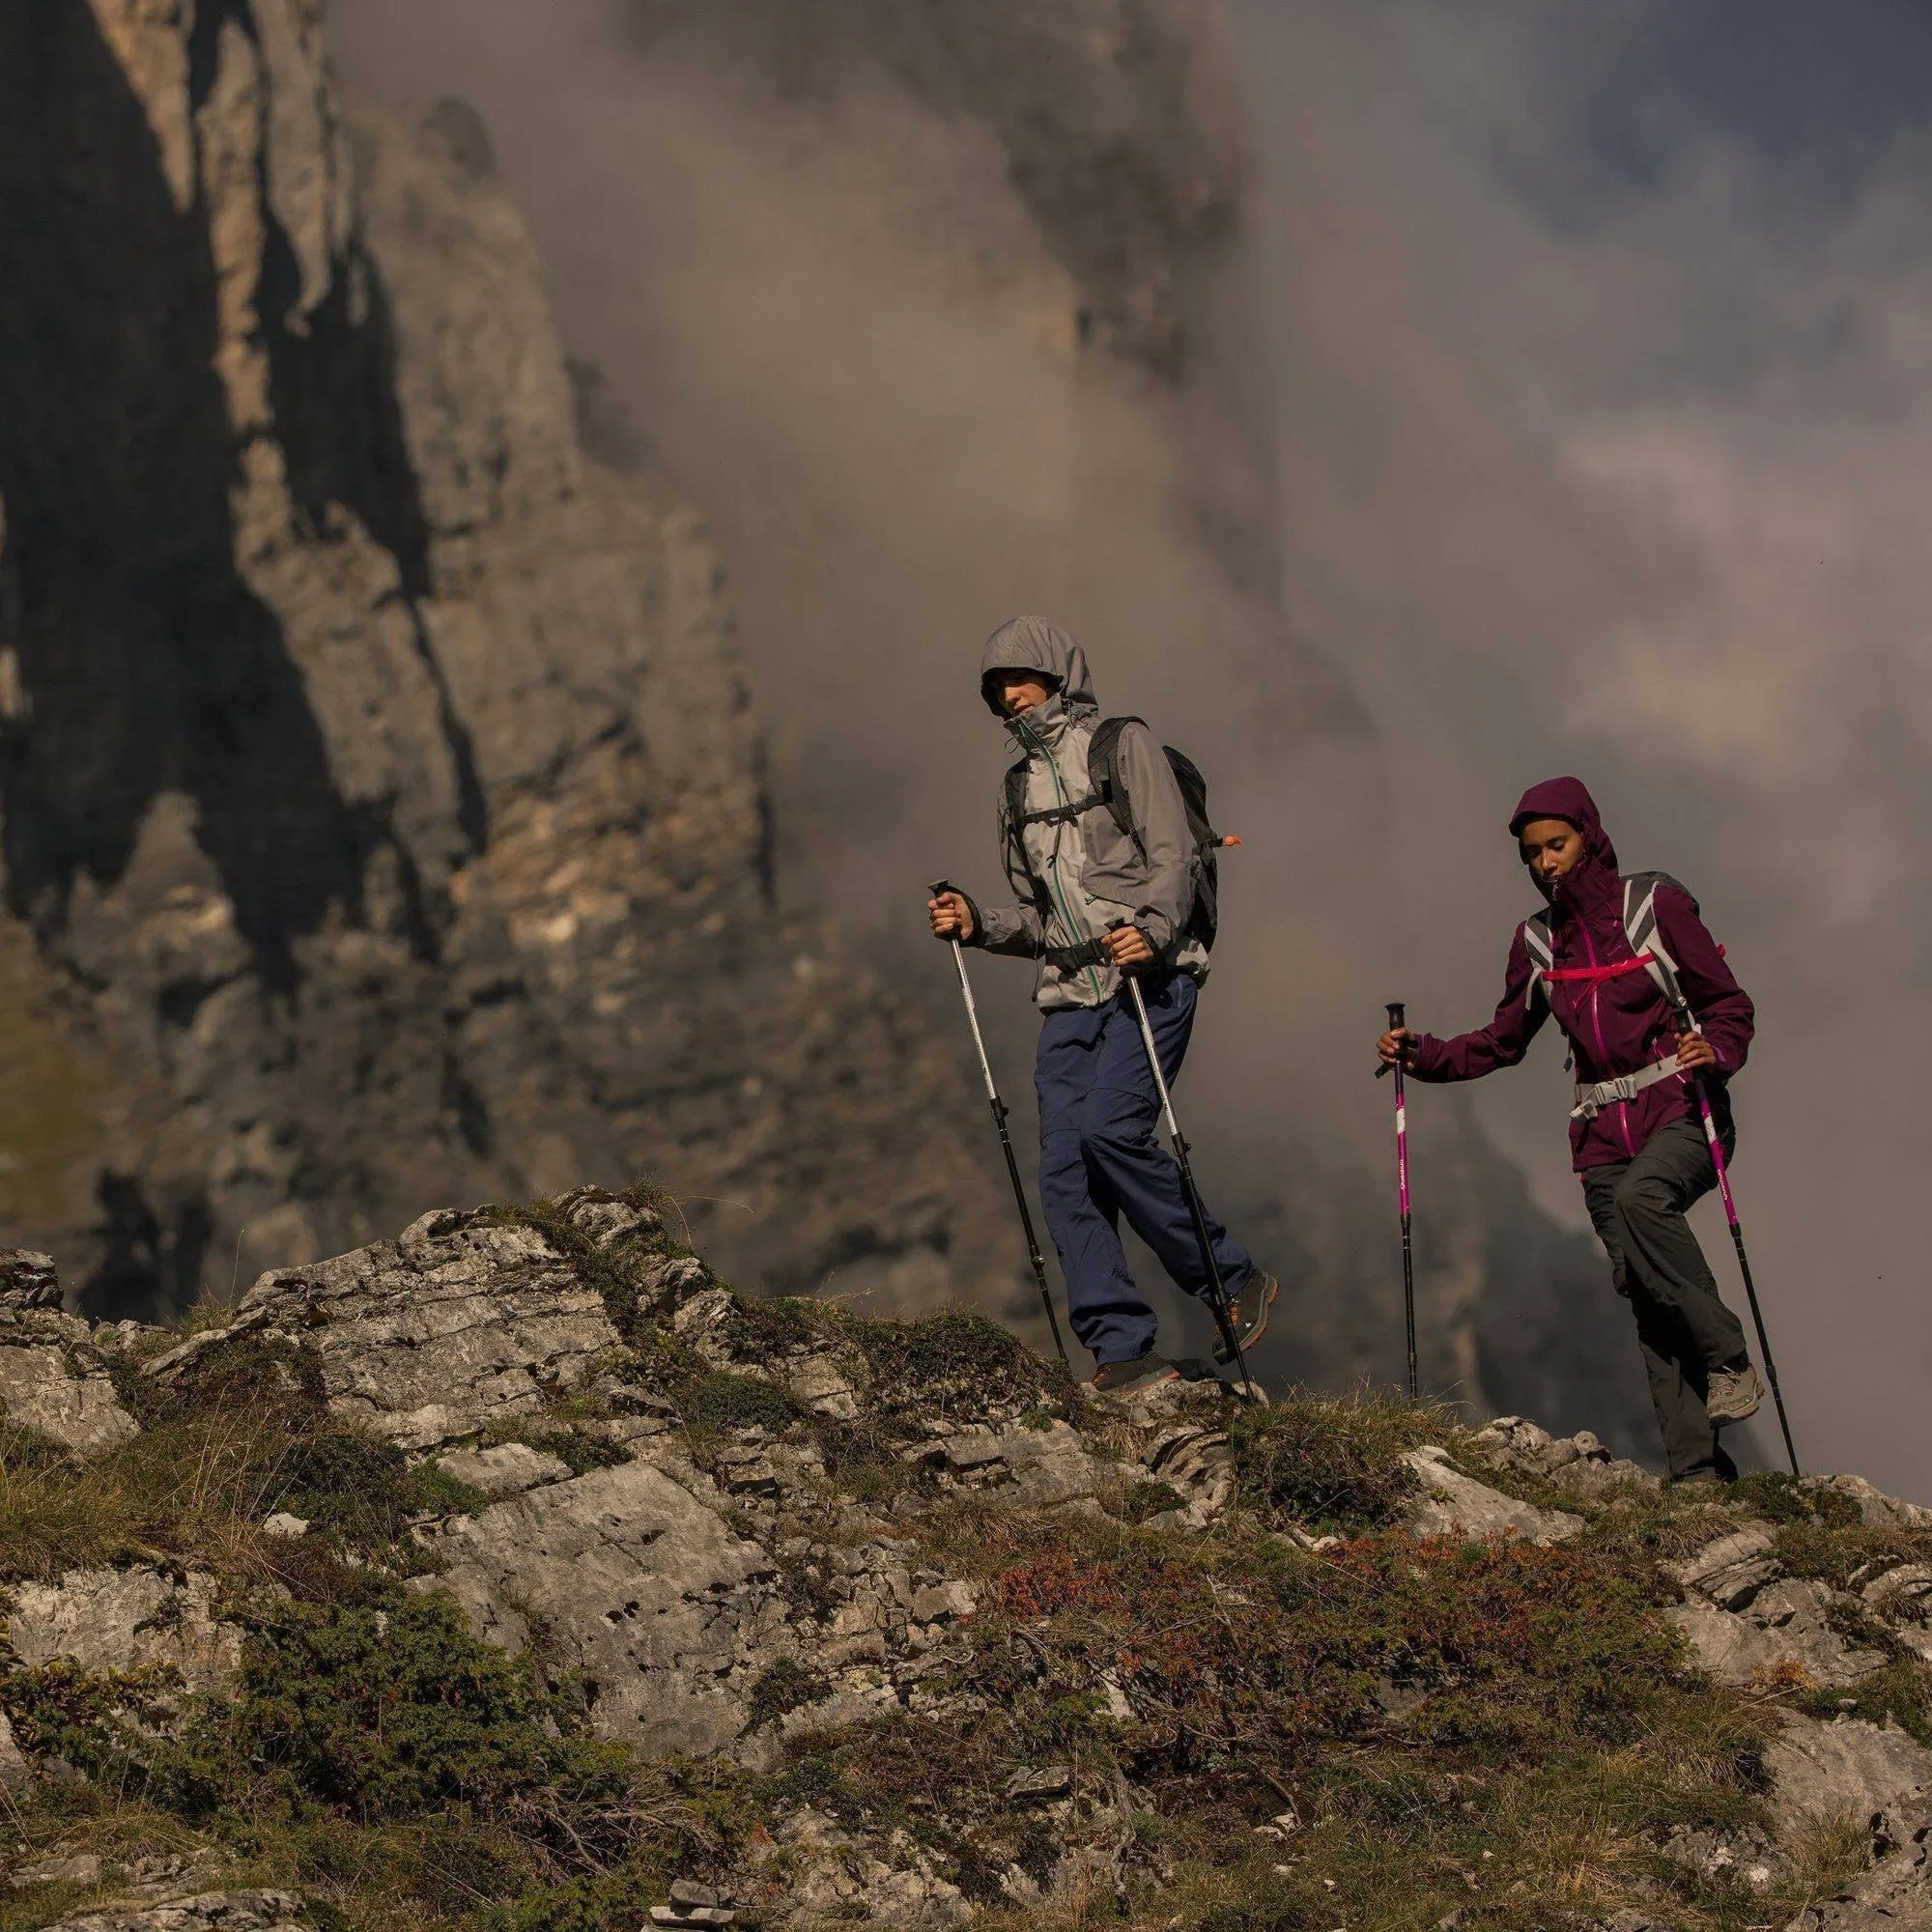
{"x":998,"y":1107}
{"x":1687,"y":1024}
{"x":1224,"y":1318}
{"x":1396,"y":1025}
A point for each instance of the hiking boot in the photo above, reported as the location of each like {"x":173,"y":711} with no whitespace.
{"x":1144,"y":1371}
{"x":1733,"y":1396}
{"x":1248,"y":1314}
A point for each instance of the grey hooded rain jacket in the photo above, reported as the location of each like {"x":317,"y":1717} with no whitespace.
{"x":1076,"y":875}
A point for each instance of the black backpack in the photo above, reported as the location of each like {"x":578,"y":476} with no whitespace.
{"x":1109,"y":789}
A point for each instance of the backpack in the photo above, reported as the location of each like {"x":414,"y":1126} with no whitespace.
{"x":1646,"y":945}
{"x":1108,"y":789}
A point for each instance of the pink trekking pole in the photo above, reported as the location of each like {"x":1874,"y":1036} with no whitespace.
{"x":1687,"y":1024}
{"x":1396,"y":1025}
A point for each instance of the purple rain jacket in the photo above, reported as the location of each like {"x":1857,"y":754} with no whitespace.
{"x":1615,"y":1025}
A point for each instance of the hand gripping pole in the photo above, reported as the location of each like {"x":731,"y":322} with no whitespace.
{"x":998,"y":1107}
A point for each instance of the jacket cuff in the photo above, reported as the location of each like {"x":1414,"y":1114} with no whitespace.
{"x":1158,"y":927}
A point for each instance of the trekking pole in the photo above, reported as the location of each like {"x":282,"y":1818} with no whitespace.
{"x":1396,"y":1025}
{"x":998,"y":1107}
{"x":1223,"y":1316}
{"x":1687,"y":1024}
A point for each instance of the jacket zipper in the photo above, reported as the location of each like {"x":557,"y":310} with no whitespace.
{"x":1602,"y":1049}
{"x":1045,"y":751}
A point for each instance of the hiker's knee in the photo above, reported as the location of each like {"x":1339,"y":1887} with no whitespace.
{"x":1061,"y":1154}
{"x":1645,"y":1197}
{"x":1115,"y":1120}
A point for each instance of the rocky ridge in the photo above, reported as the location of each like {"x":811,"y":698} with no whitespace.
{"x":765,"y":1550}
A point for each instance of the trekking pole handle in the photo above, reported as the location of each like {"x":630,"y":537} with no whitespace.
{"x":1395,"y":1009}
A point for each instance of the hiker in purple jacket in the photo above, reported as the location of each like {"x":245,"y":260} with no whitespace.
{"x":1636,"y":1136}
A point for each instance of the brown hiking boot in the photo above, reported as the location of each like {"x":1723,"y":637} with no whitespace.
{"x":1248,"y":1313}
{"x":1733,"y":1396}
{"x":1144,"y":1371}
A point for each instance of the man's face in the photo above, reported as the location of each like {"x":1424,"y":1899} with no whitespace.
{"x":1551,"y":846}
{"x":1021,"y":691}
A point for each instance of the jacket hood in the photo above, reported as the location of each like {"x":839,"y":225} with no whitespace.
{"x":1567,"y":799}
{"x":1031,"y":644}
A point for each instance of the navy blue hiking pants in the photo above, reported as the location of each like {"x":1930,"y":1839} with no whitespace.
{"x":1099,"y":1159}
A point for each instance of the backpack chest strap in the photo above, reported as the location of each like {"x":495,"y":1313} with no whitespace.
{"x":1055,"y":815}
{"x":1593,"y":1099}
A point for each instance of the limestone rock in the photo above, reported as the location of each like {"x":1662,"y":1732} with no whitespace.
{"x":1731,"y":1571}
{"x":1743,"y":1617}
{"x":15,"y":1770}
{"x":46,"y":1389}
{"x":205,"y":1911}
{"x":122,"y":1619}
{"x":1579,"y":1462}
{"x":837,"y":1879}
{"x":456,"y":1322}
{"x":1846,"y":1769}
{"x":1878,"y":1510}
{"x":1196,"y":1462}
{"x":640,"y":1585}
{"x":1895,"y":1896}
{"x":28,"y":1280}
{"x":1454,"y":1504}
{"x":504,"y":1469}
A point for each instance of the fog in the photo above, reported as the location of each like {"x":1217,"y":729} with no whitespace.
{"x":1578,"y":431}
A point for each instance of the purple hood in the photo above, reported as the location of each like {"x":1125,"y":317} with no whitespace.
{"x":1594,"y":876}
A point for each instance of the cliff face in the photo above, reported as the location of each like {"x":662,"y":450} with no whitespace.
{"x":384,"y":815}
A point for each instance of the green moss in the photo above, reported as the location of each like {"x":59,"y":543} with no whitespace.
{"x":1778,"y":1498}
{"x":1901,"y":1692}
{"x":786,"y":1687}
{"x":722,"y":1399}
{"x":1333,"y":1465}
{"x":87,"y":1718}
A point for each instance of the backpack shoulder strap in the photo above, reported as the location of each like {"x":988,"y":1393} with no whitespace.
{"x":1640,"y":928}
{"x":1103,"y":775}
{"x":1542,"y":949}
{"x":1015,"y":783}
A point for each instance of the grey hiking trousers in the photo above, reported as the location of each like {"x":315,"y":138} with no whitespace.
{"x":1683,"y":1327}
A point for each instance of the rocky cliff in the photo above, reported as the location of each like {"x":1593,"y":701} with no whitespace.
{"x":384,"y":817}
{"x":514,"y":1574}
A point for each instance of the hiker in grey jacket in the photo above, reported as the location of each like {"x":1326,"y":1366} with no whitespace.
{"x":1079,"y":874}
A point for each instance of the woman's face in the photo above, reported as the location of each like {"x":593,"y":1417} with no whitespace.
{"x":1551,"y":846}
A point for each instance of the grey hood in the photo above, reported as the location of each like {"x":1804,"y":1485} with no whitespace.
{"x":1031,"y":644}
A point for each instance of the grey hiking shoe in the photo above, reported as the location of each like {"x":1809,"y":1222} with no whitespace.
{"x":1733,"y":1396}
{"x":1144,"y":1371}
{"x":1249,"y":1311}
